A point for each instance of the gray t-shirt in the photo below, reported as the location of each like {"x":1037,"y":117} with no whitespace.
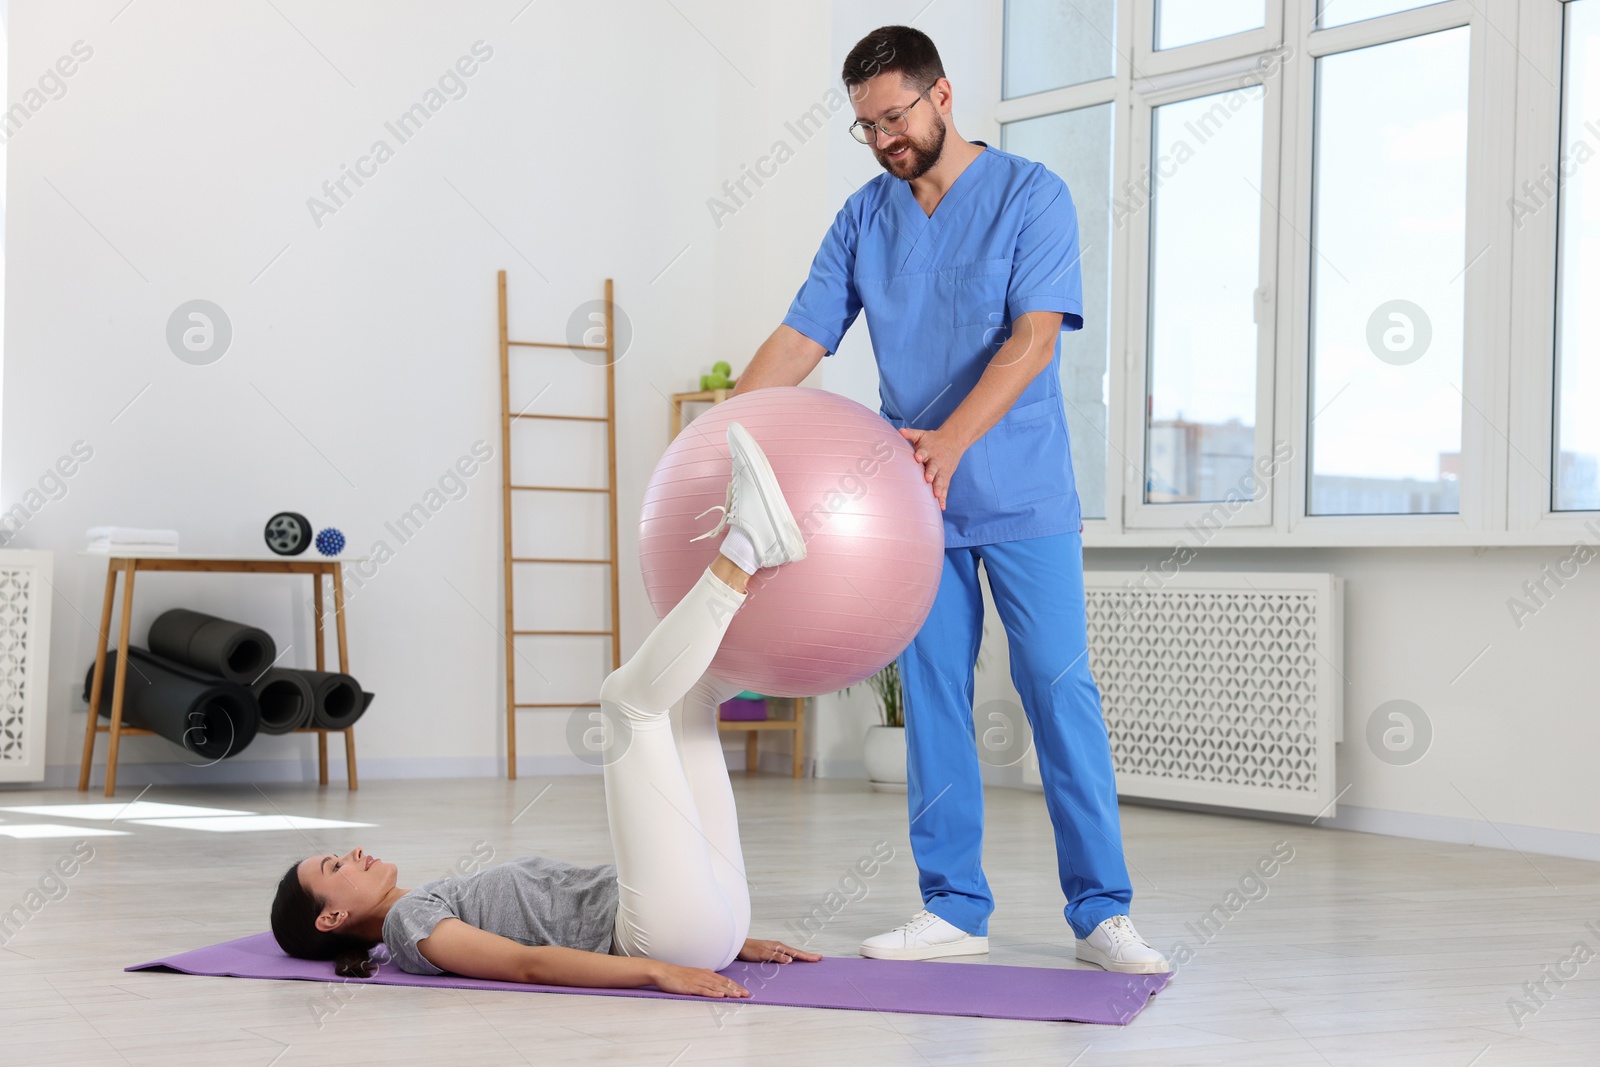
{"x":532,"y":900}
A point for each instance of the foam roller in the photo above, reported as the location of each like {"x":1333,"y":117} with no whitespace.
{"x":211,"y":717}
{"x":338,"y":700}
{"x":286,"y":700}
{"x":216,"y":646}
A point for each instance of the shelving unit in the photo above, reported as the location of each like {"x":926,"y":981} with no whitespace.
{"x":128,"y":566}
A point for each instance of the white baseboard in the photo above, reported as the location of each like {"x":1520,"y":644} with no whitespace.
{"x":1573,"y":844}
{"x":243,"y":772}
{"x":1540,"y":840}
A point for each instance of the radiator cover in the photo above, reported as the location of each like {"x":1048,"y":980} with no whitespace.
{"x":24,"y":662}
{"x":1221,"y":688}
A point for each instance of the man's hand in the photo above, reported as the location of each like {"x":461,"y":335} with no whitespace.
{"x":940,"y":453}
{"x":774,"y":951}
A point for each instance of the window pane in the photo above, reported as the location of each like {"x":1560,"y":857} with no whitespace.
{"x":1077,"y":146}
{"x":1181,"y":22}
{"x":1577,"y":436}
{"x":1052,"y":43}
{"x":1205,"y":268}
{"x":1341,"y":12}
{"x":1388,"y":271}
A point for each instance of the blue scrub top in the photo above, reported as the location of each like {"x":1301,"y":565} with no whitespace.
{"x":940,"y":295}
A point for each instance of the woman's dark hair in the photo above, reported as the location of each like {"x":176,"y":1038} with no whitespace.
{"x":908,"y":51}
{"x":294,"y":924}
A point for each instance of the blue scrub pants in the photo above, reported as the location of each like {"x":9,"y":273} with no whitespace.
{"x":1037,"y":585}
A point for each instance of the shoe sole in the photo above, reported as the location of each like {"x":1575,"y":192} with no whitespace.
{"x":971,"y":946}
{"x":789,"y":533}
{"x":1087,"y":953}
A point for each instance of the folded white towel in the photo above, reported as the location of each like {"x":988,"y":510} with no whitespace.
{"x":128,"y":550}
{"x":105,"y":538}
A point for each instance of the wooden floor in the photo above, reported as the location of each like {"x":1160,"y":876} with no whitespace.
{"x":1360,"y":950}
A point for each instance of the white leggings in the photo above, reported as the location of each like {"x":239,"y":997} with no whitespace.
{"x":683,"y":895}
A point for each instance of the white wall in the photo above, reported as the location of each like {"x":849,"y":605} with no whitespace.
{"x":177,"y":165}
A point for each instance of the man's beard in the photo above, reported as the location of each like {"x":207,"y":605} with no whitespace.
{"x":923,"y":155}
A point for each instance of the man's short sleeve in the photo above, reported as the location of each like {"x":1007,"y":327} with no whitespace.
{"x":827,"y":303}
{"x":1045,"y":272}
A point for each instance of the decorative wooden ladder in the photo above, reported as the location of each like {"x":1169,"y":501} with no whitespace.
{"x":508,"y":486}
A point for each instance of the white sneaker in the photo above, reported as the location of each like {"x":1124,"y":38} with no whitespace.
{"x":925,"y":937}
{"x":756,"y":505}
{"x":1117,"y":946}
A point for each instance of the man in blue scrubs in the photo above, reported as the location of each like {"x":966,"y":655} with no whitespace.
{"x":965,"y":260}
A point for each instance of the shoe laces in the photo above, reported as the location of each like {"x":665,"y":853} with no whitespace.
{"x":722,"y":521}
{"x":1120,"y":929}
{"x":919,"y":922}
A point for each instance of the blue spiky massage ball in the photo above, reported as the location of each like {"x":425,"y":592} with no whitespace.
{"x":330,"y":542}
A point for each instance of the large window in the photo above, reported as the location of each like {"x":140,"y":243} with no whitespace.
{"x":1575,"y":484}
{"x":5,"y":52}
{"x":1077,"y":145}
{"x":1388,"y":259}
{"x":1205,"y":267}
{"x":1055,"y":43}
{"x":1339,"y":262}
{"x":1344,"y":12}
{"x":1184,"y":22}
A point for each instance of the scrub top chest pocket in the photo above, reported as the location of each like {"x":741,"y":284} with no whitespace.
{"x":978,"y":293}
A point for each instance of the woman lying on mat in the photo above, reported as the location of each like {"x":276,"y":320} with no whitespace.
{"x":675,"y":907}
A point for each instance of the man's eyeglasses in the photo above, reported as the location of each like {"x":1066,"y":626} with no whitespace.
{"x":892,"y":124}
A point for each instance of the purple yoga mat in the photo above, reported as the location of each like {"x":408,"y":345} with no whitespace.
{"x":1042,"y":994}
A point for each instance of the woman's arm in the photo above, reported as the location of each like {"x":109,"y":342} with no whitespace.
{"x":463,"y":949}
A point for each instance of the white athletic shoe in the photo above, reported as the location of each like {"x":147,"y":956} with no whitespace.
{"x":925,"y":937}
{"x":1117,"y":946}
{"x":755,"y":504}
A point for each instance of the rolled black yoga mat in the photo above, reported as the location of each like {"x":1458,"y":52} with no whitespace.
{"x":339,"y":700}
{"x":230,"y":650}
{"x":286,"y":700}
{"x":211,"y":717}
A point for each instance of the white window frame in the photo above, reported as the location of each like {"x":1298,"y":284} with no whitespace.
{"x":1152,"y":62}
{"x":1120,"y":472}
{"x":1482,"y":447}
{"x":1235,"y":74}
{"x":1537,"y":286}
{"x":1511,"y":280}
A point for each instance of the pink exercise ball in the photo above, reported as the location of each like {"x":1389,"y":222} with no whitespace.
{"x":874,"y":540}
